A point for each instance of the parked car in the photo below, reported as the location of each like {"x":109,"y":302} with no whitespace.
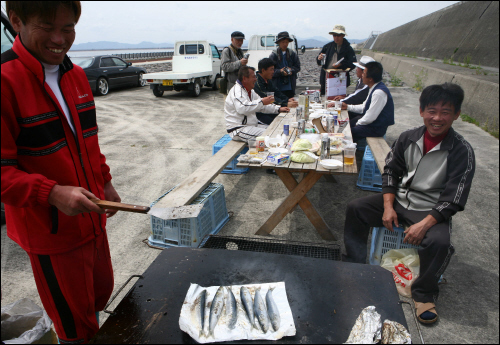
{"x":106,"y":72}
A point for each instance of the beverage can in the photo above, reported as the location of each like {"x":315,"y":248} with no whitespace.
{"x":335,"y":120}
{"x":246,"y":56}
{"x":301,"y":126}
{"x":286,"y":129}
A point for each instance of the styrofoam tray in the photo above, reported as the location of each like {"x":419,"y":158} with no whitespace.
{"x":243,"y":330}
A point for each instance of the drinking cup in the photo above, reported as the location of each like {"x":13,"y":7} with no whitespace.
{"x":349,"y":154}
{"x":338,"y":105}
{"x":252,"y":147}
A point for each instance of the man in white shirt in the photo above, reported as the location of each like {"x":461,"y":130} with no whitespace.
{"x":377,"y":112}
{"x":242,"y":105}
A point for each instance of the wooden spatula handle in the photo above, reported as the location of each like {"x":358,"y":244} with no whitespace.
{"x":111,"y":205}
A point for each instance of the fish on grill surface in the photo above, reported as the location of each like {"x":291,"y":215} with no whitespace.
{"x":261,"y":311}
{"x":246,"y":299}
{"x":231,"y":308}
{"x":216,"y":309}
{"x":272,"y":310}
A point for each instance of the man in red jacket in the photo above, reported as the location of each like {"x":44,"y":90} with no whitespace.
{"x":52,"y":164}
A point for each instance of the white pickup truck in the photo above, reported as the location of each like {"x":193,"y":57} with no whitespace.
{"x":261,"y":46}
{"x":194,"y":64}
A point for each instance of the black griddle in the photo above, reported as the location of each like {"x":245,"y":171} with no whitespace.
{"x":325,"y":296}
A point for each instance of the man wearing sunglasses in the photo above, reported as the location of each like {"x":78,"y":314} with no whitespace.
{"x":333,"y":52}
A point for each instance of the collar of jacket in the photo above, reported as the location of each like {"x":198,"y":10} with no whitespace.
{"x":260,"y":79}
{"x":35,"y":66}
{"x":344,"y":45}
{"x":446,"y":144}
{"x":279,"y":52}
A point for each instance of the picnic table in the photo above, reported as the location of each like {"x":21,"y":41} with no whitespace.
{"x":310,"y":173}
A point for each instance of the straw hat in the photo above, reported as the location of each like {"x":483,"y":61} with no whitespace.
{"x":338,"y":29}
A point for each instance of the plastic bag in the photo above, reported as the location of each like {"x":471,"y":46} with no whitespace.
{"x":301,"y":145}
{"x":24,"y":322}
{"x":404,"y":265}
{"x":303,"y":157}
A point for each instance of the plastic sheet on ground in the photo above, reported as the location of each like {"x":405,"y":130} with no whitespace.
{"x":243,"y":330}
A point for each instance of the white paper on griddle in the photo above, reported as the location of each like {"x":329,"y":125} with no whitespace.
{"x":243,"y":330}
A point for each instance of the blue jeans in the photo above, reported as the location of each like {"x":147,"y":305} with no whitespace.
{"x":362,"y":131}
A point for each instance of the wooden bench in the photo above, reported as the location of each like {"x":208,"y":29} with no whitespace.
{"x":195,"y":183}
{"x":380,"y":149}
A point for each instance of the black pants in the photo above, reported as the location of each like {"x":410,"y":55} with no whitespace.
{"x":435,"y":252}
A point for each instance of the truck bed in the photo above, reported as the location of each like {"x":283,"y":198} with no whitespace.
{"x":177,"y":75}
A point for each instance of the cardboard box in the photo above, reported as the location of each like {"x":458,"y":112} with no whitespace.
{"x":278,"y":158}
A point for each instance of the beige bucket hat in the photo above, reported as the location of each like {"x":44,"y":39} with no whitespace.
{"x":338,"y":29}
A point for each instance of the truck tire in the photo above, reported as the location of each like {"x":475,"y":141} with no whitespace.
{"x":157,"y":92}
{"x":196,"y":89}
{"x":215,"y":85}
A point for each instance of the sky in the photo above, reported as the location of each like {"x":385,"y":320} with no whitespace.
{"x":168,"y":21}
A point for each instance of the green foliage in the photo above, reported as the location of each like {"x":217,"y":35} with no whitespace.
{"x":433,"y":58}
{"x":485,"y":127}
{"x":419,"y":84}
{"x":446,"y":61}
{"x":467,"y":61}
{"x":396,"y":81}
{"x":456,"y":49}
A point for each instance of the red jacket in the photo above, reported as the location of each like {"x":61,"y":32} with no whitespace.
{"x":40,"y":150}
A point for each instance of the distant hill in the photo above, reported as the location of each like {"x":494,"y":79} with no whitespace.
{"x":313,"y":42}
{"x":106,"y":45}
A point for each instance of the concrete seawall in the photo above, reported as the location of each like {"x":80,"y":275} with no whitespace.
{"x":481,"y":91}
{"x":466,"y":29}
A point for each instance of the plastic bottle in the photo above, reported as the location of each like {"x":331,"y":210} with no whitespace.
{"x":325,"y":146}
{"x":261,"y":144}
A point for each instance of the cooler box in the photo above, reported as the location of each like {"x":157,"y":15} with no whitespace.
{"x":188,"y":232}
{"x":231,"y":168}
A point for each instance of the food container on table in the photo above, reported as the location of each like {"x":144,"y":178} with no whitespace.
{"x":331,"y":164}
{"x":278,"y":158}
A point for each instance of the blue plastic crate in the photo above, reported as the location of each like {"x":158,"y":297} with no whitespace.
{"x":369,"y":177}
{"x":188,"y":232}
{"x":231,"y":168}
{"x":384,"y":240}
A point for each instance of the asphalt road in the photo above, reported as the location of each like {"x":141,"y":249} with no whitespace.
{"x":151,"y":144}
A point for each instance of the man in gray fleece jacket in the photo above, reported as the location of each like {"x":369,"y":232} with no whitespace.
{"x":426,"y":180}
{"x":232,"y":59}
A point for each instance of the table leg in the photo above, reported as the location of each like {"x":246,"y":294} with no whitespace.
{"x":297,"y":195}
{"x":301,"y":177}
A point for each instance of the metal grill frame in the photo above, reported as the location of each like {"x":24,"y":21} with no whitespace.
{"x":274,"y":246}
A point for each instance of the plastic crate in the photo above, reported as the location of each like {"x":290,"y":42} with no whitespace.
{"x":231,"y":167}
{"x":369,"y":177}
{"x":189,"y":232}
{"x":384,"y":240}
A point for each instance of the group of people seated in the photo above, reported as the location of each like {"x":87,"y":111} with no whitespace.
{"x":428,"y":171}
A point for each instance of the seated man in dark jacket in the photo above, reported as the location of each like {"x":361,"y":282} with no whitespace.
{"x":335,"y":51}
{"x":264,"y":85}
{"x":427,"y":178}
{"x":377,"y":112}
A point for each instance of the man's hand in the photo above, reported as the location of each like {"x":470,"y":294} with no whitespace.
{"x":244,"y":62}
{"x":268,"y":100}
{"x":390,"y":216}
{"x":320,"y":56}
{"x":338,"y":98}
{"x":344,"y":106}
{"x":292,"y":103}
{"x":284,"y":110}
{"x":415,"y":233}
{"x":110,"y":194}
{"x":283,"y":71}
{"x":73,"y":200}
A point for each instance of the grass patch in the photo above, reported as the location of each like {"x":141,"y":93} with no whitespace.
{"x":419,"y":84}
{"x":485,"y":127}
{"x":467,"y":61}
{"x":433,"y":58}
{"x":396,"y":81}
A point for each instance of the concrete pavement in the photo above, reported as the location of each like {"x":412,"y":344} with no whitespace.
{"x":152,"y":143}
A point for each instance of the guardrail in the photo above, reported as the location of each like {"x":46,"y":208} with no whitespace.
{"x":141,"y":56}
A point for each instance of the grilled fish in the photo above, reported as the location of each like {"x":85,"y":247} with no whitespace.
{"x":231,"y":308}
{"x":261,"y":311}
{"x":272,"y":309}
{"x":200,"y":310}
{"x":216,"y":309}
{"x":246,"y":299}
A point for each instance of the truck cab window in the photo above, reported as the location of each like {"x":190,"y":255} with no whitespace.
{"x":190,"y":49}
{"x":215,"y":52}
